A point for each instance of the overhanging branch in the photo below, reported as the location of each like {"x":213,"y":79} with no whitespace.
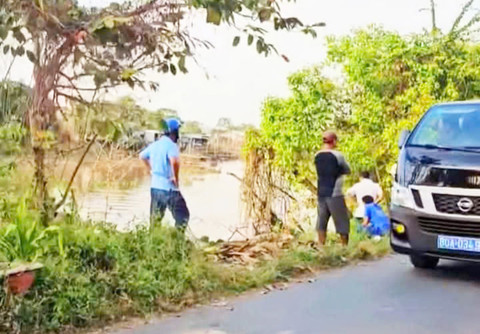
{"x":77,"y":168}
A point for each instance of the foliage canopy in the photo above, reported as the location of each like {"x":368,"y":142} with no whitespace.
{"x":388,"y":82}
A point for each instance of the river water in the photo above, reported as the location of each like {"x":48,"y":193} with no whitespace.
{"x":214,"y":201}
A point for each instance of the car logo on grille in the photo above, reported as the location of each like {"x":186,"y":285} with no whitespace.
{"x":474,"y":180}
{"x":465,"y":204}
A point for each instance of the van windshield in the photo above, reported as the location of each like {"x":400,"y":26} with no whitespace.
{"x":449,"y":127}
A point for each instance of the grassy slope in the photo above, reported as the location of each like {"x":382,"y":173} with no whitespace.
{"x":105,"y":275}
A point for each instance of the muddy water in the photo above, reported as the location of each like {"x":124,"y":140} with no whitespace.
{"x":214,"y":202}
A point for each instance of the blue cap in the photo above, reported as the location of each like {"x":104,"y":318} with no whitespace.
{"x":172,"y":124}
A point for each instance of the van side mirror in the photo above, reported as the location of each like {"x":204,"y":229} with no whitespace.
{"x":403,"y":138}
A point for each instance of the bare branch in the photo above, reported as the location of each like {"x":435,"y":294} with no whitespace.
{"x":283,"y":191}
{"x":77,"y":167}
{"x":434,"y":16}
{"x":470,"y":24}
{"x":10,"y":68}
{"x":85,"y":89}
{"x":73,"y":98}
{"x":458,"y":20}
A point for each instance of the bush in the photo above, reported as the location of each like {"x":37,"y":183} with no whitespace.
{"x":389,"y":81}
{"x":104,"y":274}
{"x":101,"y":275}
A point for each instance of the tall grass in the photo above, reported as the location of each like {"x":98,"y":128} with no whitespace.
{"x":102,"y":275}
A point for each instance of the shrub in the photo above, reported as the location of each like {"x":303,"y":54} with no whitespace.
{"x":101,"y":275}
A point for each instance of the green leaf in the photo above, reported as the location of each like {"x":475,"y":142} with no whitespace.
{"x":89,"y":68}
{"x":236,"y":40}
{"x":99,"y":78}
{"x":31,"y":56}
{"x":214,"y":15}
{"x":20,"y":51}
{"x":250,"y":39}
{"x":3,"y":32}
{"x":122,"y":20}
{"x":96,"y":25}
{"x":19,"y":36}
{"x":260,"y":47}
{"x":128,"y":73}
{"x":181,"y":64}
{"x":310,"y":31}
{"x":173,"y":69}
{"x":109,"y":22}
{"x":77,"y":55}
{"x":264,"y":14}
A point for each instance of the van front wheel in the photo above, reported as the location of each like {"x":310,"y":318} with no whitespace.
{"x":424,"y":262}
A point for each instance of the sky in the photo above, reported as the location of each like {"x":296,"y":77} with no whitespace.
{"x":232,"y":82}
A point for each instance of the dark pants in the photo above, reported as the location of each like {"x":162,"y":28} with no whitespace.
{"x":333,"y":207}
{"x":174,"y":201}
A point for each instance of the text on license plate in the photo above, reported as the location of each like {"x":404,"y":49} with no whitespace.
{"x":458,"y":243}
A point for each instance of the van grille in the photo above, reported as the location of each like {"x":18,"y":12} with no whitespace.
{"x":450,"y":227}
{"x":449,"y":204}
{"x":448,"y":177}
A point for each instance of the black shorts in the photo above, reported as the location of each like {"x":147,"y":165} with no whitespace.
{"x":336,"y":208}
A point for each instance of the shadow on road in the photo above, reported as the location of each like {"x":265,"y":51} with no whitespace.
{"x":453,"y":270}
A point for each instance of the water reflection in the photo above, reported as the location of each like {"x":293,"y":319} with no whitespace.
{"x":214,"y":203}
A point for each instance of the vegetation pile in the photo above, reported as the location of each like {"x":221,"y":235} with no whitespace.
{"x":260,"y":248}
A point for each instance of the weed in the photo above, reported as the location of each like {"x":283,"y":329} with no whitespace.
{"x":101,"y":275}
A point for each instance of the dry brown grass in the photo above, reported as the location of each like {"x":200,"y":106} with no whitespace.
{"x":119,"y":170}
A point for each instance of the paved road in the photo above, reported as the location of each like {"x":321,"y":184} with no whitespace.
{"x":387,"y":296}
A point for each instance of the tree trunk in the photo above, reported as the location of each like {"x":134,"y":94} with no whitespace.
{"x":41,"y":119}
{"x":41,"y":190}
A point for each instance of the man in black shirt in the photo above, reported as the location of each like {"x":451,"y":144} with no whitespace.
{"x":331,"y":168}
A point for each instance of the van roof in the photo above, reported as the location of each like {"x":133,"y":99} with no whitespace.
{"x":452,"y":103}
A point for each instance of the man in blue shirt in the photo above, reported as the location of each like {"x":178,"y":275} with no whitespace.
{"x":376,"y":222}
{"x":162,"y":158}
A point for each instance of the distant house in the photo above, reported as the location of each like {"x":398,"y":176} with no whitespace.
{"x":139,"y":139}
{"x":226,"y":144}
{"x":151,"y":135}
{"x":191,"y":144}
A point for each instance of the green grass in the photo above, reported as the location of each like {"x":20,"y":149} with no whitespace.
{"x":104,"y":275}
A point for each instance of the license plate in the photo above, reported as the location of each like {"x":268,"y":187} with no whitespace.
{"x":458,"y":243}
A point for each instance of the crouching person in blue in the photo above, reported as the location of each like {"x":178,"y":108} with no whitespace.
{"x":162,"y":158}
{"x":375,"y":221}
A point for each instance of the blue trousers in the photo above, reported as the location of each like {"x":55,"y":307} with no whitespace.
{"x":375,"y":230}
{"x":174,"y":201}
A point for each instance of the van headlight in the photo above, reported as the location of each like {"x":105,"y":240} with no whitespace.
{"x":402,"y":196}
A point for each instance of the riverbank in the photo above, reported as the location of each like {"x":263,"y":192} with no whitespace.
{"x":101,"y":276}
{"x":212,"y":195}
{"x":95,"y":275}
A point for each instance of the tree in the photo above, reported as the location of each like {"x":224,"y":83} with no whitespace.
{"x":110,"y":120}
{"x":389,"y":81}
{"x":14,"y":101}
{"x":156,"y":118}
{"x":78,"y":53}
{"x":192,"y":127}
{"x":292,"y":127}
